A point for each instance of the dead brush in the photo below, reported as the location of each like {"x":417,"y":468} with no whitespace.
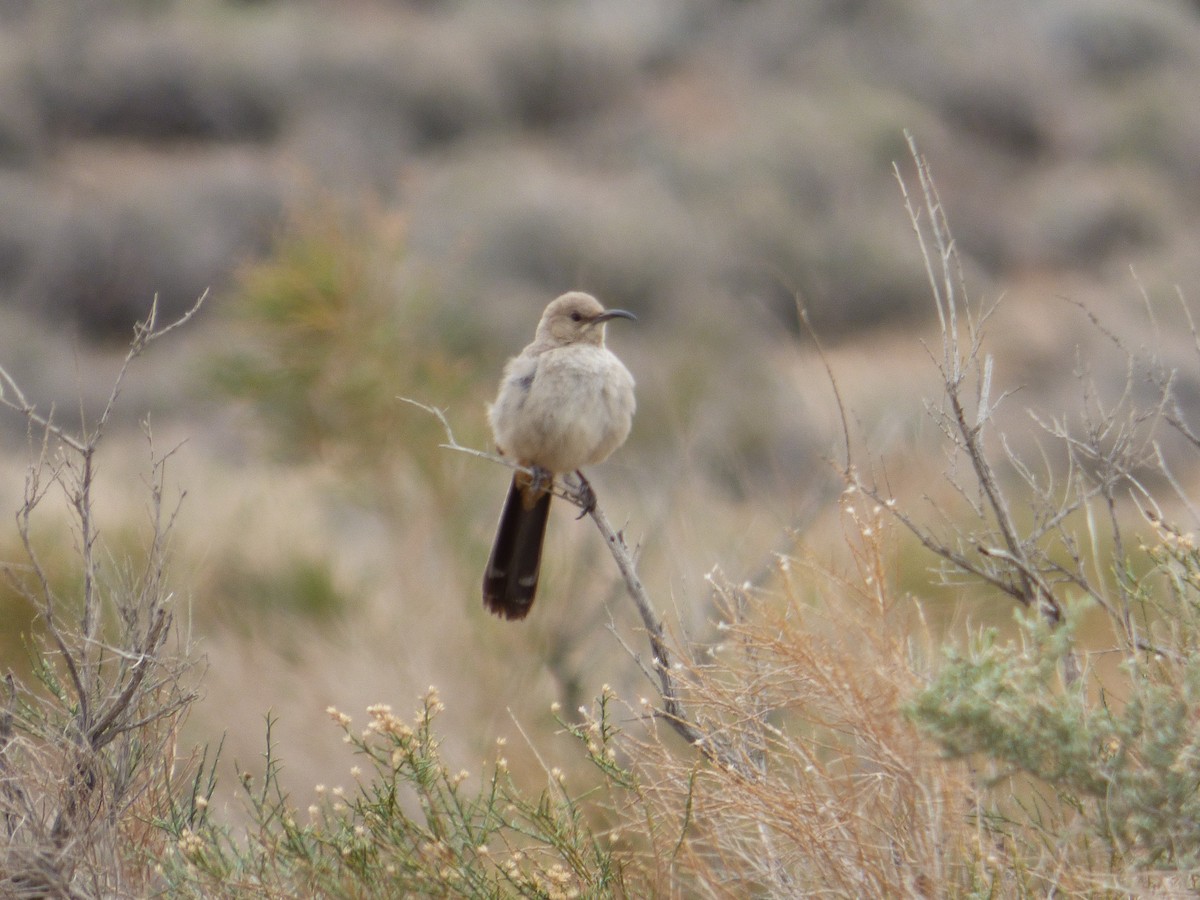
{"x":89,"y":742}
{"x":814,"y":779}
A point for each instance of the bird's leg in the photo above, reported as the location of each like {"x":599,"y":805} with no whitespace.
{"x":541,"y":481}
{"x":586,"y":495}
{"x":534,"y":483}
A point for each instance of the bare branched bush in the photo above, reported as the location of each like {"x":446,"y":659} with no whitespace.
{"x":87,"y":746}
{"x":1030,"y":530}
{"x":1086,"y":767}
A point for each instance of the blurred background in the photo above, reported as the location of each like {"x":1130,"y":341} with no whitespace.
{"x":382,"y":197}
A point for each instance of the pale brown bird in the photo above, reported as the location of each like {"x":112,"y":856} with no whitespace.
{"x":564,"y":403}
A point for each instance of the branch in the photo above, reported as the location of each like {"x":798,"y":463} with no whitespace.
{"x":959,"y":361}
{"x":673,"y":710}
{"x":144,"y":333}
{"x":452,"y":444}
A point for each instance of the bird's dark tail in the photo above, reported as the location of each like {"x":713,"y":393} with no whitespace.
{"x":511,"y":578}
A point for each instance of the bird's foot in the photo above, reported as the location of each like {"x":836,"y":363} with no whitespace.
{"x":586,"y":495}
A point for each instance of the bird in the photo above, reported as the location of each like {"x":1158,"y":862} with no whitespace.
{"x":565,"y":402}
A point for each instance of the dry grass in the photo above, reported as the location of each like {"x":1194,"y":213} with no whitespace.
{"x":821,"y":783}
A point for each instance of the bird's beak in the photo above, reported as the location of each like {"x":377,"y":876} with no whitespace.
{"x":614,"y":314}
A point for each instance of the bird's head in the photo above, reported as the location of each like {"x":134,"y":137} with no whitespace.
{"x":577,"y":318}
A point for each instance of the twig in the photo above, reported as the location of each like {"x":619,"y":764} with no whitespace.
{"x":452,"y":443}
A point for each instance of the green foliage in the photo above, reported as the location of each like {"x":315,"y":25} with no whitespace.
{"x":328,"y":335}
{"x":1124,"y":758}
{"x":19,"y":618}
{"x":407,"y":827}
{"x":297,"y":587}
{"x":1002,"y":699}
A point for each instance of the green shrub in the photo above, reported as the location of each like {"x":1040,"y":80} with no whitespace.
{"x":408,"y":826}
{"x":325,"y":338}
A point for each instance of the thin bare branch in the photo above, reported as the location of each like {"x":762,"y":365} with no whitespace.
{"x":673,"y":710}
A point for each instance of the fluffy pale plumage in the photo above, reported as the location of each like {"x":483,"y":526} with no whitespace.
{"x":564,"y":403}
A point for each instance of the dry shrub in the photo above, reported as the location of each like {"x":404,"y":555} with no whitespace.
{"x":810,"y":777}
{"x":88,"y":741}
{"x":1049,"y":771}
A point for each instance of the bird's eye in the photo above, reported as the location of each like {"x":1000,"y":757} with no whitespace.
{"x":576,"y":317}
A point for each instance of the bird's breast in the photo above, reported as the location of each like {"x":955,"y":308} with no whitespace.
{"x":577,"y":408}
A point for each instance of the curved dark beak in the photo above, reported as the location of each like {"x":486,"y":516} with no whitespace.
{"x":615,"y":314}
